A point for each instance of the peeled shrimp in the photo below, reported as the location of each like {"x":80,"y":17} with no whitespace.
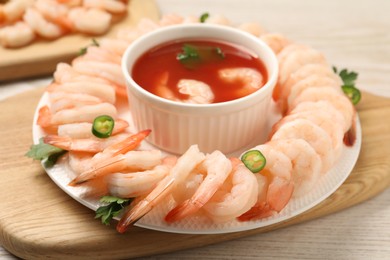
{"x":275,"y":184}
{"x":185,"y":164}
{"x":41,"y":26}
{"x":104,"y":92}
{"x":95,"y":53}
{"x":323,"y":114}
{"x":305,"y":161}
{"x":16,"y":35}
{"x":83,"y":130}
{"x":13,"y":10}
{"x":74,"y":115}
{"x":63,"y":100}
{"x":91,"y":21}
{"x":198,"y":92}
{"x":218,"y":168}
{"x":54,"y":12}
{"x":90,"y":145}
{"x":251,"y":79}
{"x":275,"y":41}
{"x":311,"y":133}
{"x":237,"y":199}
{"x":252,"y":28}
{"x":134,"y":184}
{"x":116,"y":7}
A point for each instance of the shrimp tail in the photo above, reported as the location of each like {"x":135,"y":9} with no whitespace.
{"x":259,"y":211}
{"x":145,"y":205}
{"x":279,"y":193}
{"x":100,"y":170}
{"x":44,"y":120}
{"x":183,"y":210}
{"x":66,"y":143}
{"x":350,"y":136}
{"x":129,"y":143}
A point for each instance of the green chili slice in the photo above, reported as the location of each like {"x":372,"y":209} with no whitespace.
{"x":102,"y":126}
{"x":352,"y":93}
{"x":254,"y":160}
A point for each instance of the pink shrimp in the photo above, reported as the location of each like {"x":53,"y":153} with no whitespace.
{"x":275,"y":41}
{"x":218,"y":168}
{"x":237,"y":198}
{"x":41,"y":26}
{"x":178,"y":174}
{"x":16,"y":35}
{"x":251,"y":79}
{"x":83,"y":130}
{"x":90,"y":20}
{"x":275,"y":184}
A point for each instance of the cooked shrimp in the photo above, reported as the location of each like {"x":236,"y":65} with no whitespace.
{"x":239,"y":198}
{"x":275,"y":41}
{"x":134,"y":184}
{"x":91,"y":21}
{"x":116,"y":7}
{"x":118,"y":46}
{"x":297,"y":59}
{"x":54,"y":12}
{"x":74,"y":115}
{"x":251,"y":79}
{"x":218,"y":168}
{"x":317,"y":137}
{"x":170,"y":19}
{"x":275,"y":185}
{"x":41,"y":26}
{"x":339,"y":101}
{"x":14,"y":10}
{"x":306,"y":163}
{"x":104,"y":92}
{"x":95,"y":53}
{"x":16,"y":35}
{"x":62,"y":100}
{"x":176,"y":177}
{"x":218,"y":19}
{"x":130,"y":161}
{"x":198,"y":91}
{"x":83,"y":130}
{"x":90,"y":145}
{"x":252,"y":28}
{"x":108,"y":71}
{"x":323,"y":114}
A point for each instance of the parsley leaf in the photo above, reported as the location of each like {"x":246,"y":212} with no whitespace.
{"x":47,"y":153}
{"x":204,"y":17}
{"x":84,"y":50}
{"x":114,"y":207}
{"x":192,"y":55}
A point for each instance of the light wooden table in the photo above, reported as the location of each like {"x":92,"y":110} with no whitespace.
{"x":352,"y":33}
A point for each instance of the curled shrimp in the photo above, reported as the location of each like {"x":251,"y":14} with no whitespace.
{"x":306,"y":163}
{"x":218,"y":168}
{"x":116,"y":7}
{"x":16,"y":35}
{"x":275,"y":185}
{"x":83,"y":130}
{"x":13,"y":11}
{"x":237,"y":198}
{"x":41,"y":26}
{"x":198,"y":92}
{"x":90,"y":20}
{"x":275,"y":41}
{"x":176,"y":177}
{"x":134,"y":184}
{"x":317,"y":137}
{"x":251,"y":79}
{"x":62,"y":100}
{"x":120,"y":156}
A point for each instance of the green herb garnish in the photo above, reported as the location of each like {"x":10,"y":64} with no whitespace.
{"x":113,"y":208}
{"x":193,"y":55}
{"x":254,"y":160}
{"x":204,"y":17}
{"x":84,"y":50}
{"x":47,"y":153}
{"x":348,"y":86}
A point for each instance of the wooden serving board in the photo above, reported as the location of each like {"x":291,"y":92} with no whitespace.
{"x":41,"y":57}
{"x":38,"y":220}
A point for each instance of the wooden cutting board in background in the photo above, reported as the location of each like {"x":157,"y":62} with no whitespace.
{"x":39,"y":221}
{"x":41,"y":57}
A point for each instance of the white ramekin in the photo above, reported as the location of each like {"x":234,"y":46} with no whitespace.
{"x":226,"y":126}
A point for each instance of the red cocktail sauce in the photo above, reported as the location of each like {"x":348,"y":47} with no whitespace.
{"x":160,"y":66}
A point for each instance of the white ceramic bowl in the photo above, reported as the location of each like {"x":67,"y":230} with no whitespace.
{"x":227,"y":126}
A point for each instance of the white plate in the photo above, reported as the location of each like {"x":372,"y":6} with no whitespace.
{"x":62,"y":175}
